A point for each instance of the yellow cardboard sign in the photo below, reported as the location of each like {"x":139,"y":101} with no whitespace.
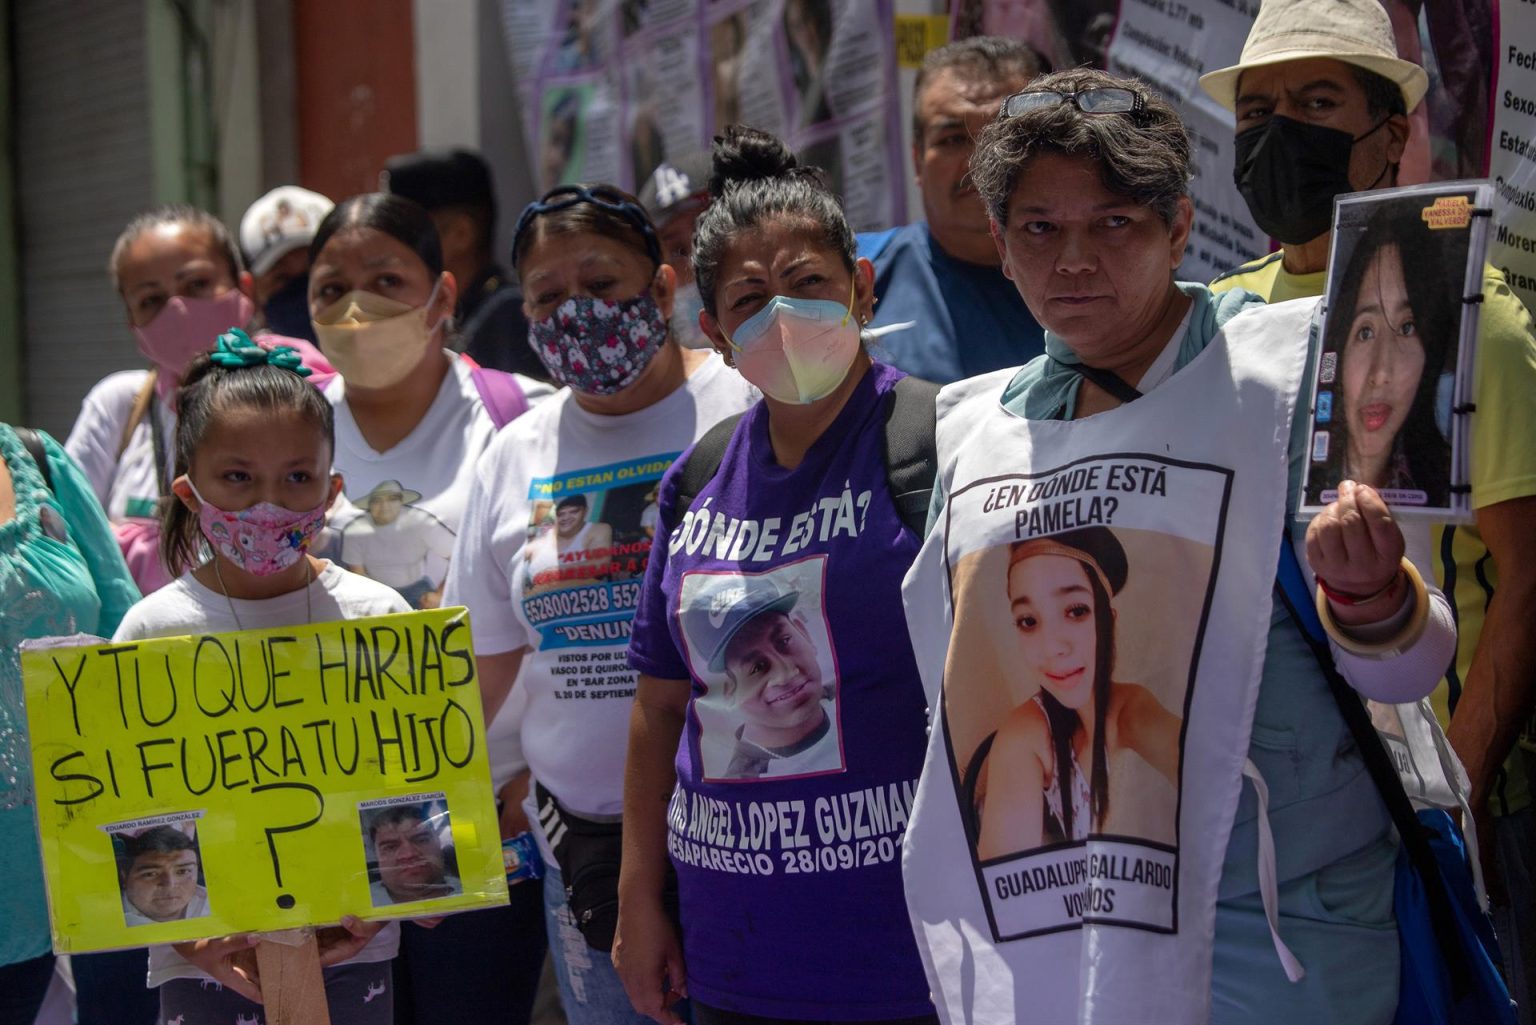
{"x":916,"y":34}
{"x":198,"y":786}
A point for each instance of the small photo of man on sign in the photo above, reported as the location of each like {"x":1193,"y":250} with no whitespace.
{"x":408,"y":858}
{"x":159,"y":873}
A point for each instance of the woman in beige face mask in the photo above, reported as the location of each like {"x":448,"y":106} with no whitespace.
{"x":412,"y":418}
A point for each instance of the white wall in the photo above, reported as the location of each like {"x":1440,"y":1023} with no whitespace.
{"x":447,"y":73}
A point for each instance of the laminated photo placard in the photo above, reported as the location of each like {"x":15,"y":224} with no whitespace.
{"x":190,"y":787}
{"x":1392,"y":385}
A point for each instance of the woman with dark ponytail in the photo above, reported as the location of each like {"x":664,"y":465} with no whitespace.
{"x":252,"y":484}
{"x":776,"y":675}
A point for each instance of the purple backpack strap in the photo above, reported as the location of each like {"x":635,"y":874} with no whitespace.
{"x":500,"y":393}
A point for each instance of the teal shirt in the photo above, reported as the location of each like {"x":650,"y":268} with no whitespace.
{"x":61,"y":572}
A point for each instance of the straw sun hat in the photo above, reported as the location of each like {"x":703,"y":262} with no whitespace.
{"x":1357,"y":32}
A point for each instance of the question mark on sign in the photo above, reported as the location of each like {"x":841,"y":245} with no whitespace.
{"x":285,"y":900}
{"x":1111,"y":506}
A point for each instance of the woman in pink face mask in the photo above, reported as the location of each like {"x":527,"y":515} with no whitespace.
{"x":180,"y":278}
{"x":775,"y":667}
{"x":253,"y":480}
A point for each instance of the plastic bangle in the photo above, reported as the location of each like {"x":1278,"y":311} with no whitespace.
{"x":1351,"y":599}
{"x":1405,"y":639}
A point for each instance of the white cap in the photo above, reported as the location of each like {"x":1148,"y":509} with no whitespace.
{"x":283,"y":220}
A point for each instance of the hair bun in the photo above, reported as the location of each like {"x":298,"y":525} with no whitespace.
{"x":744,"y":154}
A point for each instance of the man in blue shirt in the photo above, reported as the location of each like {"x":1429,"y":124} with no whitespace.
{"x":943,"y":272}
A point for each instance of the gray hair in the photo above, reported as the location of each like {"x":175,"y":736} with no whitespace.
{"x":756,"y":179}
{"x":995,"y":58}
{"x":1143,"y":156}
{"x":174,"y":213}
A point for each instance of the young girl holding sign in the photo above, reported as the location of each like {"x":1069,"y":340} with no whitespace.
{"x":253,"y":460}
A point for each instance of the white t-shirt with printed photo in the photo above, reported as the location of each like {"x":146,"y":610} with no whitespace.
{"x":185,"y":606}
{"x":574,"y":611}
{"x":407,"y":539}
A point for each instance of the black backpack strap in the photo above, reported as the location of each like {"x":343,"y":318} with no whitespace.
{"x":33,"y":443}
{"x":1107,"y":380}
{"x":702,"y":464}
{"x":911,"y":451}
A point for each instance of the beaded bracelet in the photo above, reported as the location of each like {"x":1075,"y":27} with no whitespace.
{"x":1406,"y":637}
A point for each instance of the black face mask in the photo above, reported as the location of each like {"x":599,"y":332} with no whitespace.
{"x":287,"y":312}
{"x":1289,"y":173}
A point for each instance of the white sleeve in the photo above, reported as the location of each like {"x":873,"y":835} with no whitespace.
{"x":504,"y":737}
{"x":482,"y":557}
{"x":1412,"y":673}
{"x":534,"y":390}
{"x":98,"y":431}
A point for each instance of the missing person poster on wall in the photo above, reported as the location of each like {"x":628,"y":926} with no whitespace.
{"x":612,"y":88}
{"x":1393,"y":382}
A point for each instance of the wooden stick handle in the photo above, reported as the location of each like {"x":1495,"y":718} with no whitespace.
{"x":292,"y":986}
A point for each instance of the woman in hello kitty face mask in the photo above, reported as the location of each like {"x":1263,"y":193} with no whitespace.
{"x":555,"y":522}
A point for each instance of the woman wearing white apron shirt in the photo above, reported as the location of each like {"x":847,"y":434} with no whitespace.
{"x":1245,"y":872}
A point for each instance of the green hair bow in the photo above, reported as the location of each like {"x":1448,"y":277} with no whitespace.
{"x":235,"y":349}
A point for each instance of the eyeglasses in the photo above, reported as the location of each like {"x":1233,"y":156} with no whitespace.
{"x":567,"y":196}
{"x":1104,"y":100}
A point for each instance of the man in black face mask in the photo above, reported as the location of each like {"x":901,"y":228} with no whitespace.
{"x":275,"y":234}
{"x":1321,"y":100}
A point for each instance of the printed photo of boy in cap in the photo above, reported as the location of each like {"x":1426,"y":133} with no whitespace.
{"x":771,"y":710}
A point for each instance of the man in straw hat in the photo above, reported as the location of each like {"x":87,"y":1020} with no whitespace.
{"x":1321,"y":99}
{"x":399,"y":544}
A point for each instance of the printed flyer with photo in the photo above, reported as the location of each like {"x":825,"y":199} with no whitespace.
{"x":1392,"y":404}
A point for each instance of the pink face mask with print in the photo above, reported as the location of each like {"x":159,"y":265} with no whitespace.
{"x":262,"y":540}
{"x":185,"y":327}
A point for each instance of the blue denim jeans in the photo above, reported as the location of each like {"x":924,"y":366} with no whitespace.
{"x":589,"y":986}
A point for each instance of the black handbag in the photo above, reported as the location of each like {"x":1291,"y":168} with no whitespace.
{"x":588,"y":852}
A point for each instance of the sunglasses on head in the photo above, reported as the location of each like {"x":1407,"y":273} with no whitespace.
{"x":1102,"y":100}
{"x":566,"y":196}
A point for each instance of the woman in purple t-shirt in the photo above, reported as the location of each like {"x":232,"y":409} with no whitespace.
{"x":779,"y":724}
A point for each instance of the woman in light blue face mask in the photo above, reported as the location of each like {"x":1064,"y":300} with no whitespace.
{"x":775,"y":669}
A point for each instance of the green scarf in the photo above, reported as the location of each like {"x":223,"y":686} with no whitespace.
{"x":1047,"y":385}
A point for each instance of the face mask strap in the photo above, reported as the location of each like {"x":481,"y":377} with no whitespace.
{"x":1386,"y":166}
{"x":431,"y":298}
{"x":853,"y":293}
